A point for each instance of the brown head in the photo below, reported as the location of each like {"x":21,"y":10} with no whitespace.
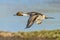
{"x":19,"y":13}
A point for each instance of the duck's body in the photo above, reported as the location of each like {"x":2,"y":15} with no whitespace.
{"x":33,"y":17}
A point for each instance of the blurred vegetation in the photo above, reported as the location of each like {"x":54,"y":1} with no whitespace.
{"x":33,"y":35}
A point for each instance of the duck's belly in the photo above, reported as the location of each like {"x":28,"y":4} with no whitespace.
{"x":39,"y":20}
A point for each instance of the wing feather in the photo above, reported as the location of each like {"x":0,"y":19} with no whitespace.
{"x":31,"y":21}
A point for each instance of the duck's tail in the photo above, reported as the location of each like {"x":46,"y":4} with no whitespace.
{"x":49,"y":18}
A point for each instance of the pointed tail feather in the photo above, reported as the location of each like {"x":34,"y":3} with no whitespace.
{"x":49,"y":18}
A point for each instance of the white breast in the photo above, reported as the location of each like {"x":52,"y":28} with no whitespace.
{"x":39,"y":19}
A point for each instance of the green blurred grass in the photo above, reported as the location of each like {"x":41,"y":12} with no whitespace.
{"x":33,"y":35}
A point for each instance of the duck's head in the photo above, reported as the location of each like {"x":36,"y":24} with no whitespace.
{"x":22,"y":14}
{"x":19,"y":13}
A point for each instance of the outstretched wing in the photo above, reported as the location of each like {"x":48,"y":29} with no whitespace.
{"x":31,"y":21}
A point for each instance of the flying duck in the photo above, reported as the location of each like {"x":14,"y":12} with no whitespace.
{"x":33,"y":17}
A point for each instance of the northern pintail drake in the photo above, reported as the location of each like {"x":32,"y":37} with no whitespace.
{"x":33,"y":17}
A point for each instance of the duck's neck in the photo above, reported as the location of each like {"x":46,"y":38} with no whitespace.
{"x":25,"y":14}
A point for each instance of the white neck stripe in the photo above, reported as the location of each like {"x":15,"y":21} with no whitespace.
{"x":25,"y":15}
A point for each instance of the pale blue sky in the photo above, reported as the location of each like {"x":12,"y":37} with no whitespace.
{"x":8,"y":8}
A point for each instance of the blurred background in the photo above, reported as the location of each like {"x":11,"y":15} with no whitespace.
{"x":8,"y":8}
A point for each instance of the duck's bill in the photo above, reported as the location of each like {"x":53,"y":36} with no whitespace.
{"x":49,"y":18}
